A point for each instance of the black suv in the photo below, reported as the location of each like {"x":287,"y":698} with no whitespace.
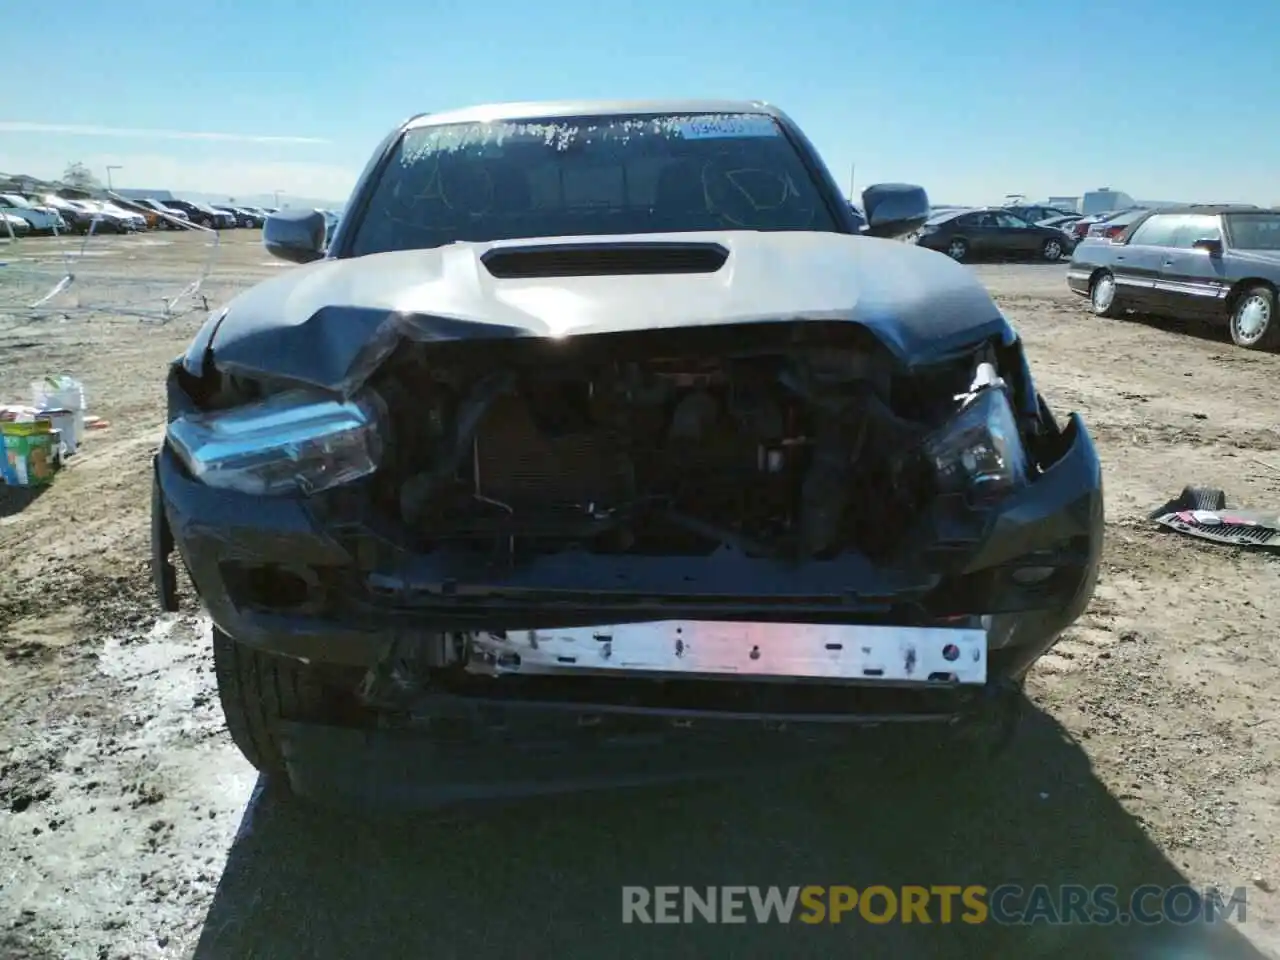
{"x":243,"y":217}
{"x":202,"y":214}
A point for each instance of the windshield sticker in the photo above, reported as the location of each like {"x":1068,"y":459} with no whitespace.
{"x":715,"y":128}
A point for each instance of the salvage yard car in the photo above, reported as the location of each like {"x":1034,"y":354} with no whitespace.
{"x":12,"y":225}
{"x":204,"y":215}
{"x":1215,"y":264}
{"x":171,"y":218}
{"x":40,"y":219}
{"x":601,"y":435}
{"x":992,"y":232}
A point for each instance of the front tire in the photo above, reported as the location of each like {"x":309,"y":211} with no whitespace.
{"x":1103,"y":297}
{"x":958,"y":248}
{"x":258,"y":690}
{"x":1253,"y":319}
{"x":1051,"y":250}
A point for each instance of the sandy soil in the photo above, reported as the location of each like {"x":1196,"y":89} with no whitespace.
{"x":130,"y":827}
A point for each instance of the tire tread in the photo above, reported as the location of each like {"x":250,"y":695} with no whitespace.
{"x":257,"y":690}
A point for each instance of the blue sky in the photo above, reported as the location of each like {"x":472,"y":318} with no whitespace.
{"x":1166,"y":100}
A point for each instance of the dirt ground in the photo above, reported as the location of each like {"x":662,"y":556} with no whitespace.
{"x":130,"y":827}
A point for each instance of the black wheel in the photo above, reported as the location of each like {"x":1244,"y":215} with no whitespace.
{"x":958,"y":248}
{"x":258,"y":690}
{"x":1103,"y":298}
{"x":1051,"y":250}
{"x":1253,"y":319}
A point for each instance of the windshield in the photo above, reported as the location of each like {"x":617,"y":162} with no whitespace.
{"x":589,"y":176}
{"x":16,"y":201}
{"x":1254,"y":231}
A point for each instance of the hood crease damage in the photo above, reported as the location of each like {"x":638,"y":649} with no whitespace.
{"x":920,"y":308}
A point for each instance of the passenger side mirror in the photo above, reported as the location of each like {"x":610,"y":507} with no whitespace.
{"x":894,"y":209}
{"x":1210,"y":246}
{"x":295,"y":235}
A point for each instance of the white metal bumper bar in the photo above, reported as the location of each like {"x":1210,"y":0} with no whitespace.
{"x":692,"y":649}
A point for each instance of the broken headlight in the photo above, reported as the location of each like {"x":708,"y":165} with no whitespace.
{"x":292,"y":442}
{"x":978,"y":452}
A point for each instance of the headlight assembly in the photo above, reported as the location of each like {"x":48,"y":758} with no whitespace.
{"x":978,"y":452}
{"x":290,"y":443}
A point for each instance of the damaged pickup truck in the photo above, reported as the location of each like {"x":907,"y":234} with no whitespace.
{"x":600,"y":430}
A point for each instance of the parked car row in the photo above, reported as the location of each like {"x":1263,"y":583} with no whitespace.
{"x":100,"y":216}
{"x":1215,"y":264}
{"x":52,"y":213}
{"x":215,"y":216}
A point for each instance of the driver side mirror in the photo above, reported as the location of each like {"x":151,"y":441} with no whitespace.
{"x":1210,"y":246}
{"x":894,"y":209}
{"x":295,"y":235}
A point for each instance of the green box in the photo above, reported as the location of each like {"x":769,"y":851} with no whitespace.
{"x":31,"y":458}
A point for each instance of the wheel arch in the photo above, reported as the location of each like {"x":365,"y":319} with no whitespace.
{"x":1096,"y":273}
{"x":1248,"y":283}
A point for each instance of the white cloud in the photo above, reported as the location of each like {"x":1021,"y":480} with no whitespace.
{"x":67,"y":129}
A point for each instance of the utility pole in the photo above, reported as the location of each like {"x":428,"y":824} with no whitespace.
{"x":277,"y":193}
{"x":852,"y":169}
{"x":110,"y":167}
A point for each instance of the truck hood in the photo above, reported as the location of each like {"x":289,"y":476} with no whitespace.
{"x":330,"y":323}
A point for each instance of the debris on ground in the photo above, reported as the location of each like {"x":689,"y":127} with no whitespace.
{"x":37,"y":438}
{"x":33,"y":451}
{"x":1202,"y":512}
{"x":61,"y":400}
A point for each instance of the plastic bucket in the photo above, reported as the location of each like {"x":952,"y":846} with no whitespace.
{"x":64,"y":422}
{"x":62,"y":394}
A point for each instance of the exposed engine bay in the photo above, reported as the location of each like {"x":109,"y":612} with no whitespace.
{"x":666,"y":443}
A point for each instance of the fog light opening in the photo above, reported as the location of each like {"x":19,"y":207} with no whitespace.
{"x":1029,"y":576}
{"x":277,"y":588}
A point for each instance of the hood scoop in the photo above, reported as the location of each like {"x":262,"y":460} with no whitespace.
{"x":603,"y":259}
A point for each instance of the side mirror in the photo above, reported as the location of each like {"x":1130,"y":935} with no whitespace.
{"x":295,"y":235}
{"x":894,"y":209}
{"x":1209,"y":246}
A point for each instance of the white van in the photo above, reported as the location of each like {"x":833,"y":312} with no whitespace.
{"x":1103,"y":200}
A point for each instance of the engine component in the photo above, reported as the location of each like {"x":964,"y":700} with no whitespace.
{"x":518,"y":464}
{"x":765,"y":452}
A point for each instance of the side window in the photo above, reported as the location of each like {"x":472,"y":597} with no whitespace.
{"x":967,"y":221}
{"x":1193,"y":228}
{"x":1006,"y":220}
{"x":1156,"y":231}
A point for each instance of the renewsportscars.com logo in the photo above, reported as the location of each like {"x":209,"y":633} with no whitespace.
{"x":1007,"y":904}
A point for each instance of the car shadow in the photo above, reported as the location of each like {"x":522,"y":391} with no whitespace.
{"x":1215,"y":333}
{"x":545,"y":878}
{"x":13,"y":500}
